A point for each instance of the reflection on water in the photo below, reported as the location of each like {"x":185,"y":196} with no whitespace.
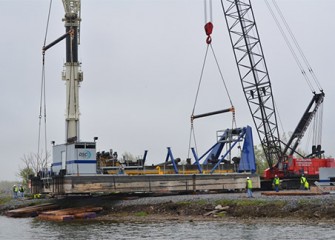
{"x":28,"y":228}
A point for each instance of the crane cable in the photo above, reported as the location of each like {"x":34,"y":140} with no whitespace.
{"x":318,"y":119}
{"x":43,"y":97}
{"x":208,"y":30}
{"x":289,"y":45}
{"x":208,"y":11}
{"x":192,"y":131}
{"x":297,"y":45}
{"x":317,"y":125}
{"x":317,"y":138}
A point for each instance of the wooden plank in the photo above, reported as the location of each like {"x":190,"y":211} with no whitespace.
{"x":31,"y":211}
{"x":290,"y":193}
{"x":68,"y":214}
{"x":55,"y":217}
{"x":85,"y":215}
{"x":73,"y":211}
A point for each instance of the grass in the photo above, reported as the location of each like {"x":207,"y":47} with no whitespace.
{"x":302,"y":202}
{"x":201,"y":202}
{"x":189,"y":203}
{"x":221,"y":214}
{"x":4,"y":200}
{"x":226,"y":202}
{"x":141,"y":214}
{"x":185,"y":203}
{"x":255,"y":202}
{"x":247,"y":202}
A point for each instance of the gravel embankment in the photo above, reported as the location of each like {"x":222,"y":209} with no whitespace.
{"x":212,"y":198}
{"x":197,"y":206}
{"x":18,"y":203}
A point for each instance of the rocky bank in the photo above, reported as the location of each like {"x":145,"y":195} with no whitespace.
{"x":199,"y":207}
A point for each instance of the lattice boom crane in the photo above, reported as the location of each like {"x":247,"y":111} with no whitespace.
{"x":257,"y":88}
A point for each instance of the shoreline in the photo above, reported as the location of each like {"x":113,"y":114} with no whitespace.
{"x":199,"y":207}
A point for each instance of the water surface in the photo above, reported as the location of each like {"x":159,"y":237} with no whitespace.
{"x":28,"y":228}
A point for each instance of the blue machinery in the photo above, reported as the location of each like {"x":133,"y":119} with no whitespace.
{"x":228,"y":137}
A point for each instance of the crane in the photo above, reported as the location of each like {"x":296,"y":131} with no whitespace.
{"x":74,"y":156}
{"x":253,"y":74}
{"x":256,"y":84}
{"x":72,"y":73}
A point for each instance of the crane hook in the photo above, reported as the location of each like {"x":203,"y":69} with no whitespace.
{"x":209,"y":29}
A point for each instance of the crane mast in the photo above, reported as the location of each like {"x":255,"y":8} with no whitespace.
{"x":74,"y":157}
{"x":72,"y":74}
{"x":253,"y":74}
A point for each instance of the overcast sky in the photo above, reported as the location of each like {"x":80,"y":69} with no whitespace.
{"x":141,"y":61}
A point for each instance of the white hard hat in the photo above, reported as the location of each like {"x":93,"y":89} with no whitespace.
{"x":248,"y":178}
{"x":276,"y":175}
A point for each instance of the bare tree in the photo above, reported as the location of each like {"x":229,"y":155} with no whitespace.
{"x":36,"y":162}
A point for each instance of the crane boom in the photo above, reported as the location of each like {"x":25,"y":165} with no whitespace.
{"x":303,"y":124}
{"x":72,"y":74}
{"x":253,"y":74}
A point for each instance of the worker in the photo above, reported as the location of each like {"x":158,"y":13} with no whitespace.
{"x":276,"y":182}
{"x":15,"y":190}
{"x":306,"y":185}
{"x":121,"y":170}
{"x":249,"y":187}
{"x":21,"y":190}
{"x":303,"y":181}
{"x":159,"y":170}
{"x":37,"y":195}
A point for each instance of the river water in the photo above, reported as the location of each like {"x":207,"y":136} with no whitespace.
{"x":29,"y":228}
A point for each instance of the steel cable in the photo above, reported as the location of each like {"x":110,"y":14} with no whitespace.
{"x":43,"y":94}
{"x":290,"y":46}
{"x":297,"y":45}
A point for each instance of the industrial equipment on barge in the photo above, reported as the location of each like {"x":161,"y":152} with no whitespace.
{"x":77,"y":168}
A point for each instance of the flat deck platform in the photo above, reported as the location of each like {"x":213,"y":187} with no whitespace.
{"x":69,"y":184}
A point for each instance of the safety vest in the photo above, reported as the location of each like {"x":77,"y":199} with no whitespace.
{"x":249,"y":184}
{"x":306,"y":185}
{"x":21,"y":189}
{"x":302,"y":180}
{"x":276,"y":181}
{"x":15,"y":189}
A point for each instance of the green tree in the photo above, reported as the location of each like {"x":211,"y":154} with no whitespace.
{"x":33,"y":163}
{"x":25,"y":173}
{"x":261,"y":161}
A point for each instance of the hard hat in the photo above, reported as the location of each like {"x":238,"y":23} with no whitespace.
{"x":248,"y":178}
{"x":276,"y":175}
